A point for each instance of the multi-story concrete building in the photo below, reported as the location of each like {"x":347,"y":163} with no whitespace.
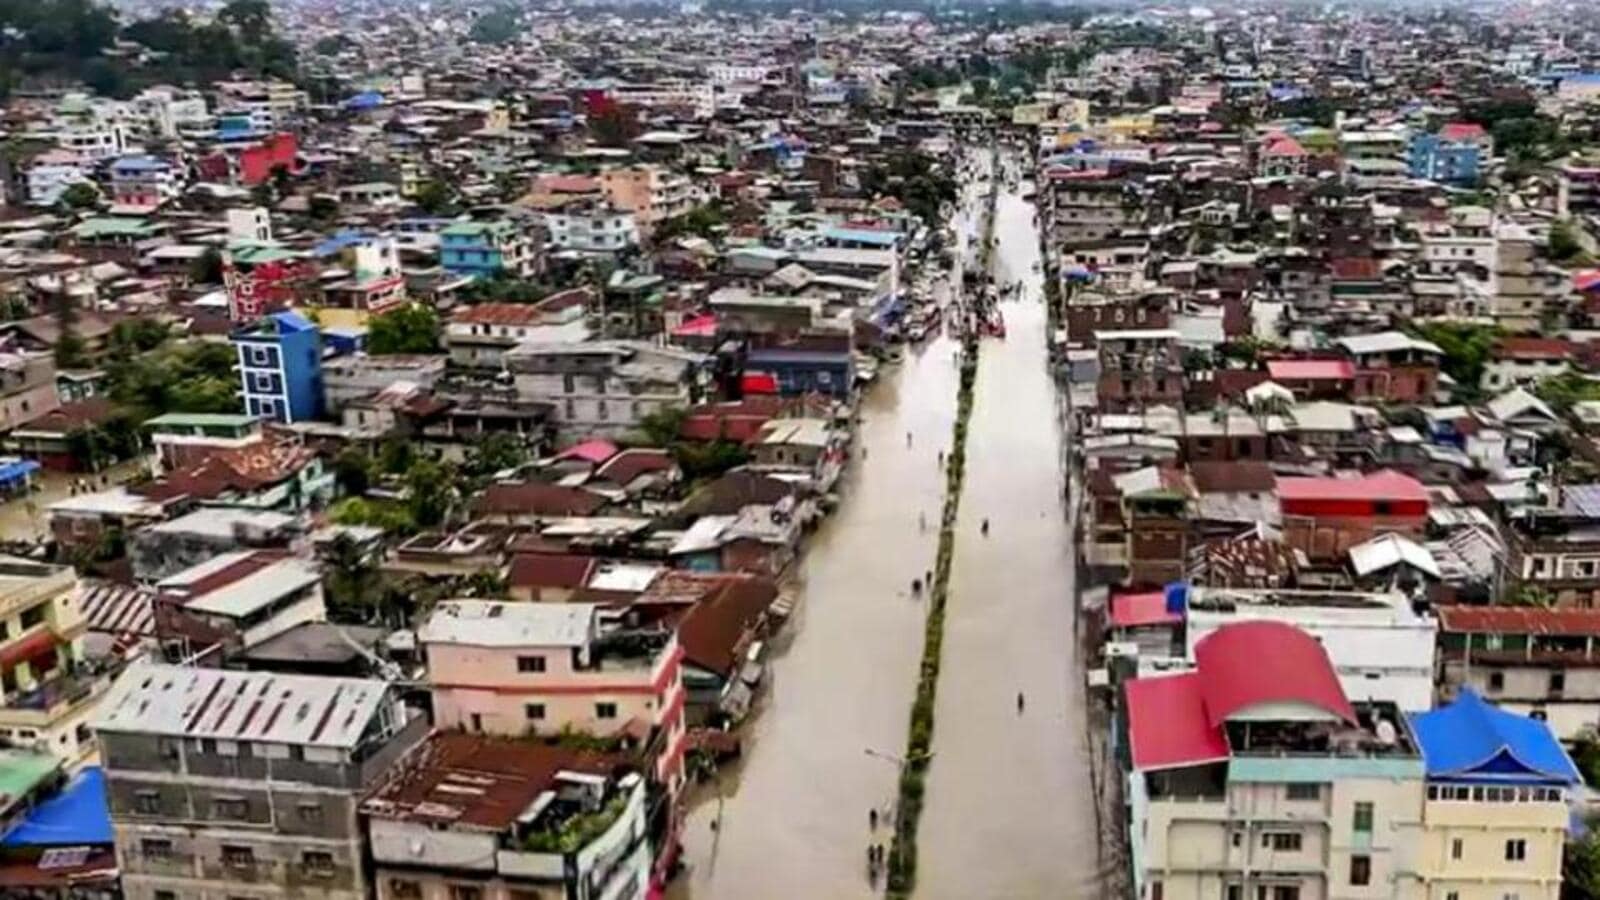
{"x":500,"y":819}
{"x":1253,"y":776}
{"x":1139,"y":369}
{"x":1542,"y":663}
{"x":652,"y":193}
{"x":604,"y":387}
{"x":143,"y":181}
{"x":1085,"y":206}
{"x":541,"y":668}
{"x":593,"y":229}
{"x":27,"y":387}
{"x":487,"y":249}
{"x":50,"y":174}
{"x":1494,"y":819}
{"x":280,"y":368}
{"x":47,"y":693}
{"x":232,"y":784}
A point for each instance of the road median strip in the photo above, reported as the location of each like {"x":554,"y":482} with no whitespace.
{"x":902,"y":862}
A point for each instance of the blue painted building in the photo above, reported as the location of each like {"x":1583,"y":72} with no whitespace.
{"x":484,"y":249}
{"x":280,"y":368}
{"x":830,"y":372}
{"x":1437,"y":157}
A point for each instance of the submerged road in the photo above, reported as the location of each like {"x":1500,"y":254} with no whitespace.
{"x":1009,"y":810}
{"x":818,"y":754}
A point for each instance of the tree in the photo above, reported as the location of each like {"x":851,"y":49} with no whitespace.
{"x":353,"y":581}
{"x":436,"y":198}
{"x":614,"y":126}
{"x":80,"y":195}
{"x":413,"y":328}
{"x":353,"y":471}
{"x":1466,"y":349}
{"x":70,"y":351}
{"x":1580,"y":865}
{"x":496,"y":452}
{"x":662,"y":426}
{"x":430,"y":492}
{"x":1564,"y":245}
{"x":497,"y":26}
{"x":206,"y":268}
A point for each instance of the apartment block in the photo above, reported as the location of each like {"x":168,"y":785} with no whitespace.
{"x":234,"y":784}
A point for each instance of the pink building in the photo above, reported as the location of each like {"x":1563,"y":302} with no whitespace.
{"x":539,"y":668}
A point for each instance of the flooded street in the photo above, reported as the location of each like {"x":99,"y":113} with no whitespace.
{"x":1009,"y":806}
{"x":818,"y":753}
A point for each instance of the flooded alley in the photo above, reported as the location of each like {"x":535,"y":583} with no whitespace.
{"x":1009,"y":811}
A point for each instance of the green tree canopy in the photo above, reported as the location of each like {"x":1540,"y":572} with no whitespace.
{"x":413,"y":328}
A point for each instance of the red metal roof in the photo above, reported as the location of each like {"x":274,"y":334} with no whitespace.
{"x":1311,"y":370}
{"x":1386,"y":484}
{"x":1251,"y":663}
{"x":759,"y":383}
{"x":1462,"y":131}
{"x":699,"y":326}
{"x":1167,"y":723}
{"x":596,"y":451}
{"x":1136,"y":610}
{"x":1519,"y":620}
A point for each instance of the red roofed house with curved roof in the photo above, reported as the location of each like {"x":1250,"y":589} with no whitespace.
{"x":1253,"y":775}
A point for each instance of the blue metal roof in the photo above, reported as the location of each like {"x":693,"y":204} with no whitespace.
{"x":76,"y":815}
{"x":1472,"y":740}
{"x":332,"y":245}
{"x":365,"y":100}
{"x":16,"y":469}
{"x":292,"y":321}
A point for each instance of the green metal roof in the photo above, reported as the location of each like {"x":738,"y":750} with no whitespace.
{"x":252,"y":254}
{"x":112,"y":226}
{"x":21,"y":772}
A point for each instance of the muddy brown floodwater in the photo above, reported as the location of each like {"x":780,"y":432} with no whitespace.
{"x":1009,"y":810}
{"x":819,"y":751}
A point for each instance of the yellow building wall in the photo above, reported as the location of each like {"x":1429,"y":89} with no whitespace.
{"x":1482,"y":871}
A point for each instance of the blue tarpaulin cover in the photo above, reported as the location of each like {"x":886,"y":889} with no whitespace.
{"x":76,"y":815}
{"x":1472,"y":740}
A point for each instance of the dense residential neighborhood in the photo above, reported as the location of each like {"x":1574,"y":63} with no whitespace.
{"x":462,"y":452}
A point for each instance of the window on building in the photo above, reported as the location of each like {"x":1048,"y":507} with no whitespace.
{"x":309,"y":813}
{"x":1304,"y":791}
{"x":605,"y":710}
{"x":147,"y":803}
{"x":1452,"y":895}
{"x":1233,"y":892}
{"x":155,"y":848}
{"x":230,"y":807}
{"x":1516,"y":850}
{"x":164,"y":895}
{"x":405,"y":889}
{"x":1361,"y":820}
{"x":534,"y":711}
{"x":1457,"y":845}
{"x":317,"y":862}
{"x":1288,"y":841}
{"x":466,"y":892}
{"x":602,"y":412}
{"x":1286,"y":892}
{"x":1157,"y":892}
{"x":1360,"y":870}
{"x":1497,"y":681}
{"x":239,"y":857}
{"x":32,"y":616}
{"x":1558,"y":682}
{"x":530,"y":664}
